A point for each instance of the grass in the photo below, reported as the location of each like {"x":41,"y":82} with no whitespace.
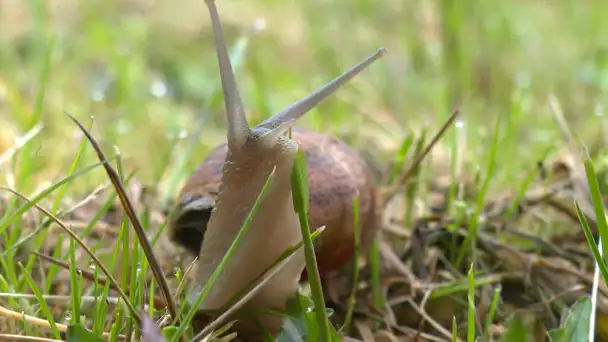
{"x":144,"y":80}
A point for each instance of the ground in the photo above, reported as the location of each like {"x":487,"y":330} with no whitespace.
{"x":144,"y":73}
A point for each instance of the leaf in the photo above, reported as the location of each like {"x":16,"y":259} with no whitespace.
{"x":557,"y":335}
{"x":576,"y":326}
{"x":301,"y":326}
{"x":78,"y":333}
{"x":295,"y":328}
{"x":516,"y":330}
{"x":170,"y":331}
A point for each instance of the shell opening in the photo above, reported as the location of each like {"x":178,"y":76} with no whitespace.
{"x":191,"y":224}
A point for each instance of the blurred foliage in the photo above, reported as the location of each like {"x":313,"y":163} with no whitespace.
{"x":146,"y":71}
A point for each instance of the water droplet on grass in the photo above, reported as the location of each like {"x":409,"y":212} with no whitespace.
{"x":159,"y":88}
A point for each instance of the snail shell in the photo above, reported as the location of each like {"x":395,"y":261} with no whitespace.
{"x":336,"y":174}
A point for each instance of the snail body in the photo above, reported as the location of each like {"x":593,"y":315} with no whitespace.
{"x":336,"y":175}
{"x":252,"y":154}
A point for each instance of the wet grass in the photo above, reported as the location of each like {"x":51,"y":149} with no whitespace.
{"x":145,"y":80}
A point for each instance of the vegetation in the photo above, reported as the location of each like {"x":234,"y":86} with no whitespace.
{"x":482,"y":241}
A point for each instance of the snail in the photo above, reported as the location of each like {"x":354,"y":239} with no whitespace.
{"x":336,"y":174}
{"x":216,"y":200}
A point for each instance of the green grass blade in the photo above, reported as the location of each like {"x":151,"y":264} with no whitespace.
{"x":598,"y":203}
{"x":400,"y":158}
{"x":43,"y":194}
{"x":471,"y":236}
{"x":471,"y":305}
{"x":492,"y":313}
{"x":73,"y":235}
{"x":353,"y":298}
{"x":44,"y":80}
{"x":300,"y":190}
{"x":136,"y":223}
{"x":592,"y":244}
{"x":53,"y":268}
{"x":454,"y":329}
{"x":75,"y":284}
{"x":63,"y":189}
{"x":251,"y":288}
{"x":43,"y":305}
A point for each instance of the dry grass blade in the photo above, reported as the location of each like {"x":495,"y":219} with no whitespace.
{"x":561,"y":121}
{"x":392,"y":191}
{"x":98,"y":262}
{"x":16,"y":338}
{"x":182,"y":284}
{"x":8,"y":154}
{"x":365,"y":331}
{"x":582,"y":193}
{"x":19,"y":316}
{"x":447,"y":334}
{"x":137,"y":226}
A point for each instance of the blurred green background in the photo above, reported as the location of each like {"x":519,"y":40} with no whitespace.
{"x":147,"y":72}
